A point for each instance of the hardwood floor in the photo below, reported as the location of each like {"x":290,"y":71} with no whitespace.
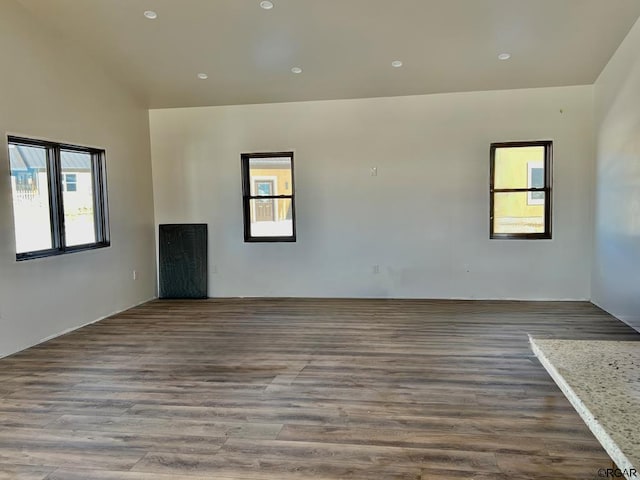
{"x":301,"y":389}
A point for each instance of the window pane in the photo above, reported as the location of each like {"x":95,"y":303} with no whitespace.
{"x":536,"y":175}
{"x":270,"y":176}
{"x":70,"y":182}
{"x":77,"y":197}
{"x":514,"y":165}
{"x":30,"y":188}
{"x":271,"y":217}
{"x":513,"y":213}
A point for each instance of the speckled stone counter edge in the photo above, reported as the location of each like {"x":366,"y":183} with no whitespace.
{"x":596,"y":428}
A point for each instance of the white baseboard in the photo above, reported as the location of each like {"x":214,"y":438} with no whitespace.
{"x":621,"y":318}
{"x":72,"y":329}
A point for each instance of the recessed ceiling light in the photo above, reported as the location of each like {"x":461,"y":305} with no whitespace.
{"x":151,"y":15}
{"x":396,"y":64}
{"x":266,"y":4}
{"x":203,"y":76}
{"x":296,"y":70}
{"x":504,"y":56}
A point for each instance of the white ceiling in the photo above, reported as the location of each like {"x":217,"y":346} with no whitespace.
{"x":344,"y":46}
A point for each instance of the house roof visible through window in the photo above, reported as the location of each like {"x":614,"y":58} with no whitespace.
{"x":36,"y":159}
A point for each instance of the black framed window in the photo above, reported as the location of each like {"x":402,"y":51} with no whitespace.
{"x":59,"y":197}
{"x":521,"y":190}
{"x":268,"y":197}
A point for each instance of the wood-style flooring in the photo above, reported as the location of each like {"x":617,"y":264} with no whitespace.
{"x":266,"y":389}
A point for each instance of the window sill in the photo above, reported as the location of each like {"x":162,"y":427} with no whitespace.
{"x":520,"y":236}
{"x":21,"y":257}
{"x":269,"y":239}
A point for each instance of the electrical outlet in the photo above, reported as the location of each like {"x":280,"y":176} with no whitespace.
{"x":376,"y":269}
{"x":135,"y":274}
{"x":373,"y":171}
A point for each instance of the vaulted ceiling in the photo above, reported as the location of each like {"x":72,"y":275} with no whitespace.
{"x":344,"y":47}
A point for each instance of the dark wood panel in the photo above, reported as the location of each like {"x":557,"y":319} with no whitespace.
{"x":301,"y":389}
{"x":182,"y":260}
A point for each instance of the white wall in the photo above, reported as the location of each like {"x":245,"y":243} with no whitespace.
{"x":616,"y":266}
{"x":49,"y":90}
{"x":423,"y":219}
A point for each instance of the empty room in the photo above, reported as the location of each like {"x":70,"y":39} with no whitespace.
{"x":331,"y":239}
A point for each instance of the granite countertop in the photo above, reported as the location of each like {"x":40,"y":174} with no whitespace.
{"x":601,"y":379}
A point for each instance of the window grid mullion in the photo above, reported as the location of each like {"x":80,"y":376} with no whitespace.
{"x":97,"y":210}
{"x":55,"y":199}
{"x":101,"y":173}
{"x":518,"y":190}
{"x":267,"y":197}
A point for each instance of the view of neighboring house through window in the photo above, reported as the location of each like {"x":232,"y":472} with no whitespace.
{"x":59,"y":198}
{"x":268,"y":197}
{"x":31,"y":208}
{"x":535,"y":179}
{"x":521,"y":190}
{"x":77,"y":197}
{"x":69,"y":182}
